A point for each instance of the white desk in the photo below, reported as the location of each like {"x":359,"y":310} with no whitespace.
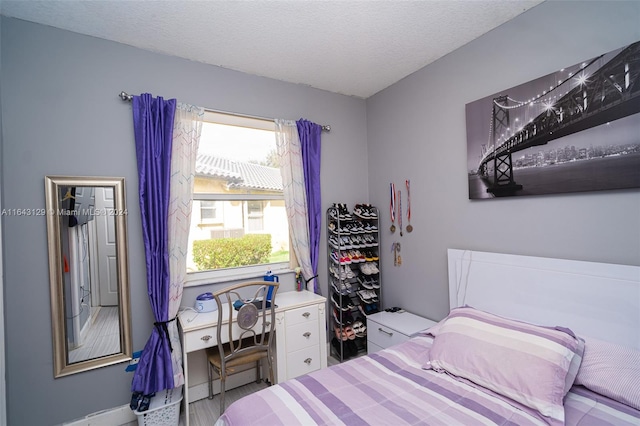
{"x":300,"y":336}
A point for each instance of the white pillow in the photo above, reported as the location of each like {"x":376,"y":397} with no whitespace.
{"x":611,"y":370}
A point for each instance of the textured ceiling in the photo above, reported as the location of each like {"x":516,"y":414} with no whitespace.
{"x":352,"y":47}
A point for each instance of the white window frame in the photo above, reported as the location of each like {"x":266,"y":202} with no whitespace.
{"x":243,"y":272}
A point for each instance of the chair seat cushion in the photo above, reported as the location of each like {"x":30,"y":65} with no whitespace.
{"x":251,"y":353}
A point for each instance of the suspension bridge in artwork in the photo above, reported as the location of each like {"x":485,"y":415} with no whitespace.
{"x":596,"y":92}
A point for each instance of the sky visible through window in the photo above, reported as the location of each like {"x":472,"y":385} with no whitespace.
{"x":236,"y":143}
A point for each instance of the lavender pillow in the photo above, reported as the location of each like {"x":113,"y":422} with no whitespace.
{"x":527,"y":363}
{"x":611,"y":370}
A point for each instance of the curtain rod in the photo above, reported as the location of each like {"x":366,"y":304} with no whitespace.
{"x":127,"y":97}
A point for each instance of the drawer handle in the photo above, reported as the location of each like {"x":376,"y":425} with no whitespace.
{"x":307,"y":361}
{"x":205,"y":338}
{"x":385,"y":331}
{"x":306,"y":314}
{"x":307,"y":334}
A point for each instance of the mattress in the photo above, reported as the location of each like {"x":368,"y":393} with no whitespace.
{"x":391,"y":387}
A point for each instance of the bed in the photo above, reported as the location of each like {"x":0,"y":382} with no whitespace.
{"x":528,"y":341}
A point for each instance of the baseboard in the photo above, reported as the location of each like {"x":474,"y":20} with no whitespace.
{"x":122,"y":415}
{"x":114,"y":416}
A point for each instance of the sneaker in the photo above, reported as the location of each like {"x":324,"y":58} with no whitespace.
{"x":359,"y":328}
{"x":343,"y":303}
{"x":371,"y":211}
{"x":342,"y":317}
{"x":351,"y":348}
{"x":358,"y":229}
{"x":340,"y":287}
{"x":367,"y":296}
{"x":344,"y":212}
{"x":364,"y":267}
{"x":338,"y":346}
{"x":361,"y":211}
{"x":364,"y":282}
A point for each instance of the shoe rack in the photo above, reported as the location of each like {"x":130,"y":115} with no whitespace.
{"x":354,"y":276}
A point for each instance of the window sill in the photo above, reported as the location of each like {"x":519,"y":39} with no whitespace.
{"x":203,"y":278}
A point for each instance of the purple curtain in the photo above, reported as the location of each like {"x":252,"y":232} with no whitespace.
{"x":153,"y":127}
{"x":309,"y":134}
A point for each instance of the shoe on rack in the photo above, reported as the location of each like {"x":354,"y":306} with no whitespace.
{"x":361,"y":211}
{"x":365,"y":282}
{"x":372,"y":212}
{"x":352,"y":348}
{"x":359,"y":328}
{"x":349,"y":332}
{"x":342,"y":303}
{"x":342,"y":317}
{"x":365,"y":268}
{"x":338,"y":346}
{"x":341,"y":287}
{"x":348,"y":272}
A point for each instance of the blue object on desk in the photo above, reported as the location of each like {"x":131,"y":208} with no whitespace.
{"x":272,"y":278}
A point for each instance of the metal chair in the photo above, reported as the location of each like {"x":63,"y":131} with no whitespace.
{"x":246,"y":324}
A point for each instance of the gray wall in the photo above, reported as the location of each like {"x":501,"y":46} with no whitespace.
{"x":416,"y":130}
{"x":62,"y":116}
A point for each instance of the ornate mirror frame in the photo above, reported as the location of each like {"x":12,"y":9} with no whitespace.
{"x":56,"y":212}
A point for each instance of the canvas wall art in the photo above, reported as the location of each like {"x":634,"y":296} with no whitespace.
{"x":574,"y":130}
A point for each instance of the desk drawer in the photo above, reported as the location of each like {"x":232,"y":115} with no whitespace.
{"x":200,"y":339}
{"x":303,"y":361}
{"x":301,"y":315}
{"x":206,"y":337}
{"x":302,"y":335}
{"x":384,"y":336}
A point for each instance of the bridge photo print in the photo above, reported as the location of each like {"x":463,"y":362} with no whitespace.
{"x":574,"y":130}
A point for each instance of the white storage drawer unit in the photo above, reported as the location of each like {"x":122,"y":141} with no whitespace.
{"x":386,"y":329}
{"x":302,"y":329}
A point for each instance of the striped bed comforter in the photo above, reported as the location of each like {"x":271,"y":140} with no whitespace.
{"x":390,"y":387}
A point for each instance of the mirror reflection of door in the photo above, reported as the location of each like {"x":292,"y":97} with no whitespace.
{"x":106,"y":248}
{"x":90,"y":272}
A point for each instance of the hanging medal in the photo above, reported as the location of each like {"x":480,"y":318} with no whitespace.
{"x":400,"y":210}
{"x":392,"y":207}
{"x":409,"y":227}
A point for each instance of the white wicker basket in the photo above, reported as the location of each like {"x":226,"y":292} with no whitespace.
{"x":164,"y":409}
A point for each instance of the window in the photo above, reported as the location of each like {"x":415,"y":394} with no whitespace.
{"x":239,"y":222}
{"x":208,"y":211}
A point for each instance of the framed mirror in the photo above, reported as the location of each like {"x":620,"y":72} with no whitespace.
{"x":88,"y":272}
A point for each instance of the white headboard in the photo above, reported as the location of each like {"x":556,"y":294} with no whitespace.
{"x":593,"y":299}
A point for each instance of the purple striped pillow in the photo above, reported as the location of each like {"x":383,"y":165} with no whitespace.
{"x":528,"y":363}
{"x":611,"y":370}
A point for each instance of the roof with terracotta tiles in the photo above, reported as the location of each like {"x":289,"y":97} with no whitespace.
{"x":239,"y":174}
